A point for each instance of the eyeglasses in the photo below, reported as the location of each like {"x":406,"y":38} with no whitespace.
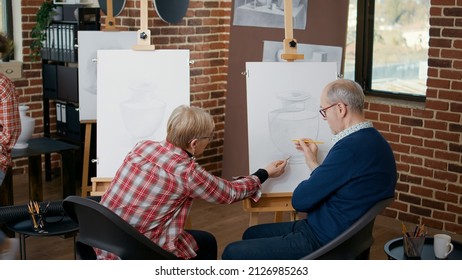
{"x":210,"y":138}
{"x":323,"y":110}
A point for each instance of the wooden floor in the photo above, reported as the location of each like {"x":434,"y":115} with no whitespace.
{"x":226,"y":222}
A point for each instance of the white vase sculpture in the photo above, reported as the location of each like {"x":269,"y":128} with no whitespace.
{"x":27,"y":128}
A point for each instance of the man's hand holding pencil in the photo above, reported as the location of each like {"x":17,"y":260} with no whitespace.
{"x":309,"y":147}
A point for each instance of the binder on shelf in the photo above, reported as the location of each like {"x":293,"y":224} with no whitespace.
{"x":53,"y":42}
{"x":60,"y":45}
{"x":63,"y":119}
{"x":63,"y":113}
{"x":72,"y":122}
{"x":71,"y":42}
{"x":68,"y":46}
{"x":59,"y":123}
{"x":61,"y":36}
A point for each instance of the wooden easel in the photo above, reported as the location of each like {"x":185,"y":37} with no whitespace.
{"x":86,"y":189}
{"x":86,"y":158}
{"x":144,"y":34}
{"x":110,"y":21}
{"x":278,"y":202}
{"x":144,"y":39}
{"x":270,"y":202}
{"x":99,"y":185}
{"x":290,"y":43}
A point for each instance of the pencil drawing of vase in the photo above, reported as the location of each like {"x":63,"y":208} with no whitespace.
{"x":297,"y":118}
{"x":143,"y":112}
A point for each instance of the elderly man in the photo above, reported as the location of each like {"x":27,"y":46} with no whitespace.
{"x":358,"y":171}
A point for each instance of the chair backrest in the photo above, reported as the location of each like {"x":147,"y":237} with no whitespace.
{"x":102,"y":228}
{"x":355,"y":242}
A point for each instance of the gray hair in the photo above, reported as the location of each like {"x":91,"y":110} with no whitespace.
{"x":348,"y":92}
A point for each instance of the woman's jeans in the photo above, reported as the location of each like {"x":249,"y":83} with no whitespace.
{"x":2,"y":176}
{"x":207,"y":245}
{"x":276,"y":241}
{"x":2,"y":235}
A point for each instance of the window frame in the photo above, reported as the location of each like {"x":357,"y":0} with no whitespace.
{"x":364,"y":54}
{"x":8,"y":17}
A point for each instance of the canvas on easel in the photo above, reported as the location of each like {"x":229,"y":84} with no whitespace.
{"x":137,"y":91}
{"x":89,"y":43}
{"x":283,"y":101}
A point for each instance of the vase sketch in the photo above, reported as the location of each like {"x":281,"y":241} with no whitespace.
{"x":296,"y":119}
{"x":143,"y":112}
{"x":27,"y":128}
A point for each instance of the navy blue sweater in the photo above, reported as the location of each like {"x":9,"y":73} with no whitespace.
{"x":357,"y":172}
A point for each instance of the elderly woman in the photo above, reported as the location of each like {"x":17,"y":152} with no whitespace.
{"x":10,"y":129}
{"x":154,"y":188}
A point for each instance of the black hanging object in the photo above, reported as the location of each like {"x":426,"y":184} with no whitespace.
{"x":117,"y":6}
{"x":171,"y":11}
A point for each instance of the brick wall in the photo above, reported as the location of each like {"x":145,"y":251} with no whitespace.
{"x":204,"y":31}
{"x":426,"y":139}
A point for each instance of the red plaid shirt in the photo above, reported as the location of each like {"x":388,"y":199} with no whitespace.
{"x":154,"y":188}
{"x":10,"y":122}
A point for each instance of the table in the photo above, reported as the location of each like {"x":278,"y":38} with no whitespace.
{"x":37,"y":148}
{"x":54,"y":225}
{"x":394,"y":250}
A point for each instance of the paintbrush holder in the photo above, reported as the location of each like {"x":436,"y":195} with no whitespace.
{"x":413,"y":246}
{"x":38,"y":222}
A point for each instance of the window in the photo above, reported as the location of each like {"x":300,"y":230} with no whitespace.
{"x":6,"y":17}
{"x":387,"y":48}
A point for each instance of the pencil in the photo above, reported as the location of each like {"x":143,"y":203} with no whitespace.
{"x":308,"y":141}
{"x":285,"y":159}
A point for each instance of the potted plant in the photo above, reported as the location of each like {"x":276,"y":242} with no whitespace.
{"x":38,"y":34}
{"x":8,"y":50}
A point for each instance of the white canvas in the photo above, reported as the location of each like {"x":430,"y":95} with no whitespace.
{"x":137,"y":91}
{"x":283,"y":102}
{"x":89,"y":43}
{"x":272,"y":51}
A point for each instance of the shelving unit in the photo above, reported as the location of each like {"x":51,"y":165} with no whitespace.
{"x":60,"y":74}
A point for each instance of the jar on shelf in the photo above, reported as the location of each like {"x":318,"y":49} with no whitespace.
{"x":297,"y":118}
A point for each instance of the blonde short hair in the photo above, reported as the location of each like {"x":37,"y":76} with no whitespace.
{"x":188,"y":123}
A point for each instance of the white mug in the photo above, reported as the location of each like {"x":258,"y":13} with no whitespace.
{"x":442,"y":245}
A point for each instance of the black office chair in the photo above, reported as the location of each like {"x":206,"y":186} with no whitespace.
{"x":355,"y":242}
{"x":103,"y":229}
